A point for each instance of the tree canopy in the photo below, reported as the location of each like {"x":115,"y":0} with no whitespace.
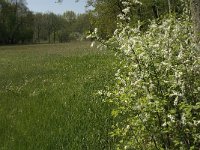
{"x":19,"y":25}
{"x":105,"y":13}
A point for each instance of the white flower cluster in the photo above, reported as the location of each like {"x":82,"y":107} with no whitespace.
{"x":157,"y":84}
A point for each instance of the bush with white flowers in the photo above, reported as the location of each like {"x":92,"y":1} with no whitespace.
{"x":157,"y":90}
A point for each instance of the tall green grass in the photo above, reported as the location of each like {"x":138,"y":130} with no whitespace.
{"x":47,"y":97}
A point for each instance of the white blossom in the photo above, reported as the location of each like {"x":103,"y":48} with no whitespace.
{"x":172,"y":119}
{"x":126,"y":10}
{"x":183,"y":119}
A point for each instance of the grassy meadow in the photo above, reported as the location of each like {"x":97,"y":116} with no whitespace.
{"x":47,"y":97}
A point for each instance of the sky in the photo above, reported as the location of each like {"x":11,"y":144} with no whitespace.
{"x":57,"y":8}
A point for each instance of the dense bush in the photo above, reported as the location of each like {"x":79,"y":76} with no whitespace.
{"x":157,"y":90}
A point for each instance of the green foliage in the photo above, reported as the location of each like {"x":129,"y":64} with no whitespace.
{"x":105,"y":13}
{"x":15,"y":23}
{"x":104,"y":16}
{"x":60,"y":28}
{"x":157,"y":90}
{"x":63,"y":36}
{"x":82,"y":24}
{"x":18,"y":25}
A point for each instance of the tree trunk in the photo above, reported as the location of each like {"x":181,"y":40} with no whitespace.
{"x":169,"y":6}
{"x":49,"y":36}
{"x":195,"y":10}
{"x":54,"y":36}
{"x":155,"y":11}
{"x":38,"y":34}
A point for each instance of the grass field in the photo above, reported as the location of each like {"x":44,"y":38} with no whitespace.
{"x":47,"y":98}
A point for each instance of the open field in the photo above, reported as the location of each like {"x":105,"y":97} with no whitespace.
{"x":47,"y":98}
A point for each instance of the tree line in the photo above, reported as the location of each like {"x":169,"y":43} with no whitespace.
{"x":106,"y":13}
{"x":19,"y":25}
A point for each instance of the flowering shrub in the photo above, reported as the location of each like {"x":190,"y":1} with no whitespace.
{"x":157,"y":90}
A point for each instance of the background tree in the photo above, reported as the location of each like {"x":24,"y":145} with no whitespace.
{"x":38,"y":23}
{"x":16,"y":22}
{"x":106,"y":11}
{"x":195,"y":9}
{"x":19,"y":25}
{"x":49,"y":27}
{"x":82,"y":24}
{"x":104,"y":15}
